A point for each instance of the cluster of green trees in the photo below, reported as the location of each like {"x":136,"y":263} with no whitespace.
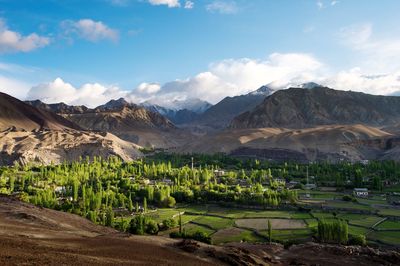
{"x":333,"y":231}
{"x":342,"y":174}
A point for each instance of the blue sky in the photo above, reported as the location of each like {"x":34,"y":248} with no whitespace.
{"x":165,"y":49}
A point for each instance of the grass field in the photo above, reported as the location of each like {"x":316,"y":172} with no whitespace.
{"x":388,"y":237}
{"x":285,"y":235}
{"x":233,"y":234}
{"x":367,"y":221}
{"x":215,"y":223}
{"x":192,"y":228}
{"x":389,"y":225}
{"x":262,"y":224}
{"x":389,"y":212}
{"x":347,"y":205}
{"x":232,"y":224}
{"x":321,"y":215}
{"x":357,"y":230}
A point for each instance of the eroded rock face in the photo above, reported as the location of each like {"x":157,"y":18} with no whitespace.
{"x":29,"y":134}
{"x":301,"y":108}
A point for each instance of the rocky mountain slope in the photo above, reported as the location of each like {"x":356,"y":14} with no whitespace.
{"x":331,"y":142}
{"x":129,"y":122}
{"x":220,"y":115}
{"x":302,"y":108}
{"x":29,"y":134}
{"x":17,"y":114}
{"x":180,"y":112}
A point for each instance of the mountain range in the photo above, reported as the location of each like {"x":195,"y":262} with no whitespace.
{"x":30,"y":134}
{"x":305,"y":124}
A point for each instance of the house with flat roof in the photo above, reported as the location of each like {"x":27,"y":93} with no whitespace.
{"x":361,"y":192}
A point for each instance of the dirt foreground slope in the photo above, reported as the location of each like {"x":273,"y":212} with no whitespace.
{"x":34,"y":236}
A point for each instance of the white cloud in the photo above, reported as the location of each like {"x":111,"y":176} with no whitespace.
{"x":322,"y":4}
{"x":14,"y":87}
{"x":189,"y":5}
{"x":90,"y":94}
{"x":11,"y":41}
{"x":356,"y":80}
{"x":232,"y":77}
{"x":377,"y":55}
{"x":148,"y":88}
{"x":222,"y":7}
{"x":334,"y":2}
{"x":90,"y":30}
{"x":169,"y":3}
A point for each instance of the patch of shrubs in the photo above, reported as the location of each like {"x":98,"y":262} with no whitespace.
{"x":349,"y":198}
{"x":141,"y":224}
{"x":357,"y":240}
{"x":198,"y":236}
{"x":168,"y":224}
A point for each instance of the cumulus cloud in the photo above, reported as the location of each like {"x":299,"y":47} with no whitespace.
{"x":90,"y":94}
{"x":377,"y":55}
{"x":232,"y":77}
{"x":148,"y":88}
{"x":12,"y":41}
{"x":222,"y":7}
{"x":89,"y":30}
{"x":355,"y":80}
{"x":169,"y":3}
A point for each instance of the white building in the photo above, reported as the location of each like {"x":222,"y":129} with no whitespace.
{"x":361,"y":192}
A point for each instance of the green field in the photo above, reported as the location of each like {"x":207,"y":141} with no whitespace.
{"x":192,"y":228}
{"x":367,"y":221}
{"x":388,"y":237}
{"x":285,"y":235}
{"x":233,"y":234}
{"x":215,"y":223}
{"x":389,"y":225}
{"x":226,"y":225}
{"x":389,"y":212}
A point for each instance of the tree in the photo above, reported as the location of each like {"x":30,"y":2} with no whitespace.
{"x":130,"y":203}
{"x":170,"y":202}
{"x":269,"y":231}
{"x":145,"y":205}
{"x":109,"y":217}
{"x":180,"y":223}
{"x":151,"y":227}
{"x":137,"y":225}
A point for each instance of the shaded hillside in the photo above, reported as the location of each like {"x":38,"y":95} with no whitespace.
{"x":219,"y":115}
{"x":301,"y":108}
{"x":15,"y":113}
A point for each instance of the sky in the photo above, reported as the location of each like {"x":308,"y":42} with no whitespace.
{"x":88,"y":52}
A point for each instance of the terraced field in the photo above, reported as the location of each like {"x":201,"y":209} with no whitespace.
{"x":226,"y":225}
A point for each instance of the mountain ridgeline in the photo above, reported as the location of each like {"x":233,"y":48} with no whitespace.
{"x":302,"y":108}
{"x":220,"y":115}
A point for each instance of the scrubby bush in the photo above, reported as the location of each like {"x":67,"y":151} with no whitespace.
{"x":151,"y":227}
{"x":198,"y":236}
{"x":358,"y":240}
{"x":168,"y":224}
